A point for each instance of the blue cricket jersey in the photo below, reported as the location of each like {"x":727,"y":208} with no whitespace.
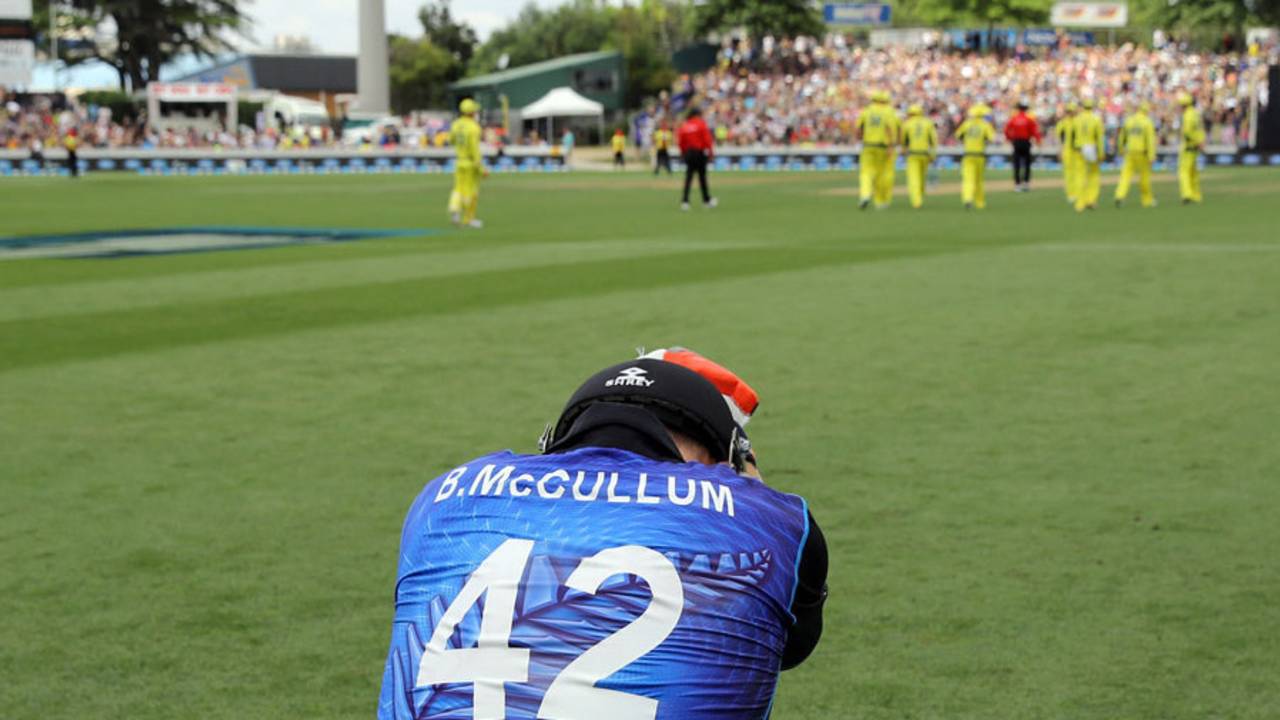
{"x":594,"y":584}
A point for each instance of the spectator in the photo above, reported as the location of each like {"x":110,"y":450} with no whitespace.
{"x":810,"y":92}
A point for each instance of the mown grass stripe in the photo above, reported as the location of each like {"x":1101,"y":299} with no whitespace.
{"x":169,"y":289}
{"x":45,"y":341}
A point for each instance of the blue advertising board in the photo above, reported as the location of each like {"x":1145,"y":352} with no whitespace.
{"x":1011,"y":36}
{"x":856,"y":13}
{"x":1049,"y":37}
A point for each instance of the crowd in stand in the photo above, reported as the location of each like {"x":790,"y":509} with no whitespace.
{"x":46,"y":121}
{"x":809,"y":92}
{"x":802,"y":91}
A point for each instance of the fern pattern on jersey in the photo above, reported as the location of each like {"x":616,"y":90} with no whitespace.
{"x":559,"y":624}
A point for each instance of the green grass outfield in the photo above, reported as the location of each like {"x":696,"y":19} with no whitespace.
{"x":1044,"y":447}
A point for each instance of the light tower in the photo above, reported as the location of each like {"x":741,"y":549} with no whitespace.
{"x":373,"y":84}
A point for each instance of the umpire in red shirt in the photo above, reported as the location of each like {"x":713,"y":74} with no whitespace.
{"x":1021,"y":130}
{"x":696,"y":146}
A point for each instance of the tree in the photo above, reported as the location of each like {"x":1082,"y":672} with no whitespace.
{"x":454,"y":37}
{"x":1266,"y":11}
{"x":776,"y":17}
{"x":1211,"y":15}
{"x":536,"y":34}
{"x":988,"y":13}
{"x":420,"y":73}
{"x":647,"y":34}
{"x":74,"y":32}
{"x":137,"y":37}
{"x":1200,"y":16}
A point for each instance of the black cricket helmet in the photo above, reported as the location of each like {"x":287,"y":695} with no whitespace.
{"x":680,"y":398}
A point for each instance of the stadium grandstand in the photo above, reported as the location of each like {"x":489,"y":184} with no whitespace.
{"x":809,"y":91}
{"x":790,"y":91}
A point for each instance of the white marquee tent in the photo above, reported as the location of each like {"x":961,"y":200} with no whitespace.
{"x":563,"y":102}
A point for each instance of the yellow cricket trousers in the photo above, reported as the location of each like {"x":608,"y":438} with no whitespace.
{"x":917,"y":172}
{"x":1071,"y":161}
{"x":885,"y":180}
{"x":870,"y":169}
{"x":972,"y":169}
{"x":1189,"y":175}
{"x":1136,"y":164}
{"x":466,"y":192}
{"x":1089,"y":185}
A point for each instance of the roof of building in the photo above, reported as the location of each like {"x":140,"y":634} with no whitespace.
{"x":305,"y":72}
{"x":525,"y":71}
{"x":299,"y":73}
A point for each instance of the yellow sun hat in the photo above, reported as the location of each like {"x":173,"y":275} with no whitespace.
{"x":468,"y":107}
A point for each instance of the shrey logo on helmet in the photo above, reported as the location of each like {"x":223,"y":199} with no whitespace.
{"x":738,"y":395}
{"x":631,"y":377}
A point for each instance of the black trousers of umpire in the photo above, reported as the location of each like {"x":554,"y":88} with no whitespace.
{"x":1021,"y":161}
{"x":695,"y":163}
{"x":663,"y":161}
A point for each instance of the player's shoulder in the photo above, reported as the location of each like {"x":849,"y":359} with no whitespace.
{"x":602,"y":459}
{"x":498,"y":457}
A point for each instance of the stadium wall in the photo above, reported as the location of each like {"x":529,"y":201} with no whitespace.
{"x":250,"y":162}
{"x":998,"y":157}
{"x":16,"y":163}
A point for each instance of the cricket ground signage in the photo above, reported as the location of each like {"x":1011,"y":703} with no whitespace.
{"x":856,"y":13}
{"x":1089,"y":14}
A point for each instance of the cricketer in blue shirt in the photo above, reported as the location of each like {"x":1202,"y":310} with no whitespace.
{"x":609,"y":578}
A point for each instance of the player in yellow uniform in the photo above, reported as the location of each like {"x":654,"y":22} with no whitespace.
{"x":1137,"y":142}
{"x":1192,"y":143}
{"x":72,"y":143}
{"x":1070,"y":158}
{"x":1088,"y":137}
{"x":663,"y":138}
{"x":888,"y":171}
{"x":468,"y":167}
{"x":920,"y":136}
{"x":878,"y":128}
{"x":619,"y":143}
{"x":975,"y":132}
